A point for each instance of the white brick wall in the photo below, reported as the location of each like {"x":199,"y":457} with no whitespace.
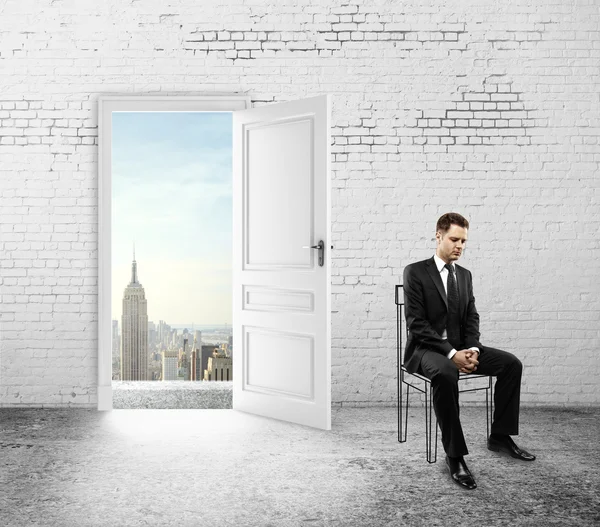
{"x":489,"y":109}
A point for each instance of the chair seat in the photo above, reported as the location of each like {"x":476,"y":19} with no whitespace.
{"x":461,"y":376}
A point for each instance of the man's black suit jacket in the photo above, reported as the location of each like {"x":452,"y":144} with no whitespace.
{"x":426,"y":310}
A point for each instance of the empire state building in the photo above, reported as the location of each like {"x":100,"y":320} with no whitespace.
{"x":134,"y":324}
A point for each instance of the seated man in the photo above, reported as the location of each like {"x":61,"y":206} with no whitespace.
{"x":443,"y":341}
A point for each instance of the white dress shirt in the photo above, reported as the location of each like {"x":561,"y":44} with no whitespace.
{"x":444,"y":276}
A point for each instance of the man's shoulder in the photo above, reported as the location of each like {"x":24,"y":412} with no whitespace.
{"x":460,"y":270}
{"x":418,"y":266}
{"x":464,"y":269}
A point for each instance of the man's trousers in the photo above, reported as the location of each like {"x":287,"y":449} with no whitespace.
{"x":443,"y":374}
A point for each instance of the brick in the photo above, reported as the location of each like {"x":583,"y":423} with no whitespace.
{"x":398,"y":27}
{"x":504,"y":97}
{"x":345,"y":10}
{"x":348,"y":27}
{"x":479,"y":97}
{"x":459,"y":115}
{"x":487,"y":115}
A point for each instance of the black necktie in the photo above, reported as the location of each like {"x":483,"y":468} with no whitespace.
{"x":453,"y":321}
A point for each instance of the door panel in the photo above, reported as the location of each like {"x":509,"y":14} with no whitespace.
{"x":290,"y":354}
{"x":279,"y":197}
{"x":281,"y":310}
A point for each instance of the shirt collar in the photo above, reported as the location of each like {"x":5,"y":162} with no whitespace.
{"x":441,"y":264}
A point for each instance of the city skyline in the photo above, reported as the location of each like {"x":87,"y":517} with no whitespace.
{"x":172,"y":198}
{"x":143,"y":350}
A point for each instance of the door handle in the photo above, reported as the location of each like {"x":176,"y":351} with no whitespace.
{"x":321,"y":248}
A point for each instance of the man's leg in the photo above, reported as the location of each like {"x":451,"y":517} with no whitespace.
{"x":444,"y":381}
{"x":507,"y":393}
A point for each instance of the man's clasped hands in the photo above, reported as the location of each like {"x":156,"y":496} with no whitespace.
{"x":466,"y":360}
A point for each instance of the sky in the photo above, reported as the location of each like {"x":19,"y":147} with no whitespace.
{"x":172,"y":197}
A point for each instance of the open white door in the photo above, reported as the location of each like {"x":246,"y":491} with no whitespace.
{"x":281,"y":286}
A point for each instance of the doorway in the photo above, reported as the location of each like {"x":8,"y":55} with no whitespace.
{"x":281,"y":265}
{"x":171,"y":257}
{"x":165,"y":243}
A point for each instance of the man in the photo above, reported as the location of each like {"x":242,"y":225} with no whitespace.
{"x":443,"y":341}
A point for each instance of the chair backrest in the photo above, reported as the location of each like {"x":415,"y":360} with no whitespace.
{"x":399,"y":299}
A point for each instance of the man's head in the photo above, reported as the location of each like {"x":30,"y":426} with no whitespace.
{"x":451,"y":236}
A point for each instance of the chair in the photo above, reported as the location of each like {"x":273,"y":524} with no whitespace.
{"x":426,"y":389}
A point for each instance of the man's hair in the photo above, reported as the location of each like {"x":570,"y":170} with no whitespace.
{"x":451,"y":218}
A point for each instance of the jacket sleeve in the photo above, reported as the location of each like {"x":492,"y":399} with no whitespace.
{"x":416,"y":315}
{"x":471,"y":330}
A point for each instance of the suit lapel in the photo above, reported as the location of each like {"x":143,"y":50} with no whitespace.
{"x":437,"y":279}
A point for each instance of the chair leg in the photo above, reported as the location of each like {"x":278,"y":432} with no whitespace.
{"x":436,"y":440}
{"x":487,"y":411}
{"x":431,"y":449}
{"x":399,"y":409}
{"x":406,"y":414}
{"x":426,"y":426}
{"x":490,"y":416}
{"x":400,"y":379}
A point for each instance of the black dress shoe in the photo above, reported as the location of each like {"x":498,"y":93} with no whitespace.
{"x":460,"y":473}
{"x":506,"y":444}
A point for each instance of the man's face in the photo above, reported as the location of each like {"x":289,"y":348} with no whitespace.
{"x":451,"y":244}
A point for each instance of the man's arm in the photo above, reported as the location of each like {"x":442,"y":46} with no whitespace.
{"x":416,"y":314}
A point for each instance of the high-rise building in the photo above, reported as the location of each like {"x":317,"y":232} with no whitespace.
{"x":205,"y":353}
{"x":152,"y":336}
{"x":116,"y":343}
{"x":116,"y":351}
{"x":164,"y":334}
{"x":134,"y":330}
{"x":183,"y":372}
{"x":196,"y":357}
{"x":195,"y":365}
{"x":170,"y":359}
{"x":183,"y":367}
{"x":219,"y":367}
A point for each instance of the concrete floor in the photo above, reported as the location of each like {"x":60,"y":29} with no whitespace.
{"x":74,"y":467}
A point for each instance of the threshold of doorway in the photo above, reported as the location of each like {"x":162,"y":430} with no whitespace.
{"x":198,"y":395}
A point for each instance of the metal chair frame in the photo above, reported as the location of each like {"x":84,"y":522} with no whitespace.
{"x":426,"y":389}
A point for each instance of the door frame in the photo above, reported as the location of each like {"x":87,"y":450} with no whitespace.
{"x":131,"y":103}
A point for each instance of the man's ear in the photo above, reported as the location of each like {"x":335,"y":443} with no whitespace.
{"x":438,"y":236}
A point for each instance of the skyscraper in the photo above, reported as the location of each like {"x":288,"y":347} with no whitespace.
{"x":206,"y":351}
{"x":220,"y":367}
{"x":196,"y":358}
{"x":134,"y":330}
{"x":164,"y":333}
{"x":170,"y":359}
{"x":116,"y":351}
